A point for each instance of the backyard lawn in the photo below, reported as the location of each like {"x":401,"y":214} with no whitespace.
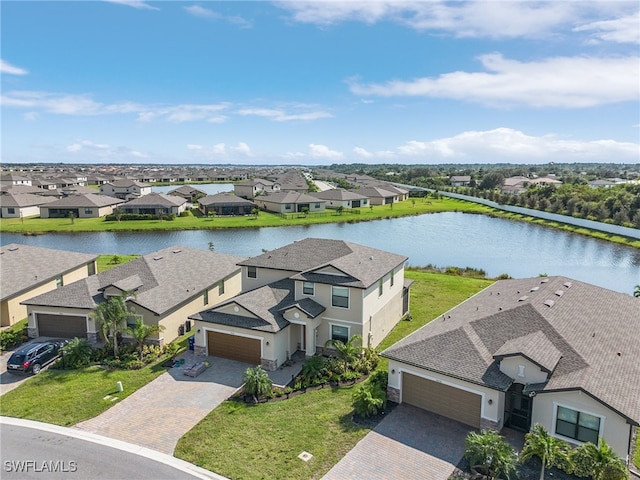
{"x":263,"y":441}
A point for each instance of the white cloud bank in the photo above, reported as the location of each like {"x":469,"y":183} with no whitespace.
{"x":565,"y":82}
{"x":137,"y":4}
{"x":7,"y":68}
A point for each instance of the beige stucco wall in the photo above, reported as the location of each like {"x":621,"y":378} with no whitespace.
{"x":264,"y":277}
{"x":532,"y":373}
{"x":382,"y":312}
{"x":491,"y":411}
{"x":21,"y":212}
{"x":613,"y":428}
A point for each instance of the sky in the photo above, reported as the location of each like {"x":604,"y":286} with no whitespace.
{"x":320,"y":83}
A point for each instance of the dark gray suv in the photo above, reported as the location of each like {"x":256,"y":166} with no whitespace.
{"x":31,"y":358}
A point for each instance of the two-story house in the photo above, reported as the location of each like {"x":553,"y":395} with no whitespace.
{"x":298,"y":297}
{"x":125,"y":189}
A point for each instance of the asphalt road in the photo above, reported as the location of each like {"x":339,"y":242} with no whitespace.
{"x":42,"y":451}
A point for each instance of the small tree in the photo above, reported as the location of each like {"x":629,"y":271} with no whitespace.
{"x":347,"y":352}
{"x":550,"y":450}
{"x":212,"y":214}
{"x":368,"y":400}
{"x":141,"y":331}
{"x":257,"y":382}
{"x":112,"y":316}
{"x":72,"y":217}
{"x":636,"y":292}
{"x":599,"y":462}
{"x":312,"y":368}
{"x":340,"y":210}
{"x":77,"y":353}
{"x":117,"y":213}
{"x":489,"y":451}
{"x":255,"y":212}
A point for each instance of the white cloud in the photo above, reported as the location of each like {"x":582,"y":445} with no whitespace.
{"x":86,"y":145}
{"x":620,"y":30}
{"x":198,"y":11}
{"x":221,"y":151}
{"x":366,"y":154}
{"x":281,"y":116}
{"x":137,"y":4}
{"x":7,"y":68}
{"x":323,"y":152}
{"x":503,"y":19}
{"x":243,"y":149}
{"x":31,"y":116}
{"x":567,"y":82}
{"x":513,"y":146}
{"x":293,"y":155}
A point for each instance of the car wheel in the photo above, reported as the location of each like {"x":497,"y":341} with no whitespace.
{"x":36,"y":368}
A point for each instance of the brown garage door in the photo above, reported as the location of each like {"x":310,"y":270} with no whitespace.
{"x":65,"y":326}
{"x":234,"y":347}
{"x":442,"y":399}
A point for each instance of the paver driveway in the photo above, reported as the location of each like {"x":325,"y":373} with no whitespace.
{"x":161,"y":412}
{"x":409,"y":444}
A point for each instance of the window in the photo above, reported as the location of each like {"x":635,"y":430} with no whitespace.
{"x":205,"y":297}
{"x":307,"y":288}
{"x":221,"y":287}
{"x":252,"y":272}
{"x":287,"y":206}
{"x":340,"y":333}
{"x":317,"y":205}
{"x":133,"y":318}
{"x":59,"y":282}
{"x":88,"y":211}
{"x":340,"y":297}
{"x":577,"y":425}
{"x":393,"y":274}
{"x":91,"y":268}
{"x":11,"y":210}
{"x":380,"y":286}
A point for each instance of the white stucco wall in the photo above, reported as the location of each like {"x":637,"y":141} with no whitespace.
{"x":510,"y":366}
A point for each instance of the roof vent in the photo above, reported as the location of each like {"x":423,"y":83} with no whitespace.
{"x":13,"y":249}
{"x":549,"y":303}
{"x":158,"y":258}
{"x":177,"y":251}
{"x":371,"y":257}
{"x":559,"y":293}
{"x":567,"y":284}
{"x":544,"y":280}
{"x":522,"y":299}
{"x":534,"y":289}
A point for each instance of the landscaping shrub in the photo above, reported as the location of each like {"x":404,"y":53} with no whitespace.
{"x":12,"y":338}
{"x":489,"y":453}
{"x":130,"y":216}
{"x":77,"y":353}
{"x":257,"y":383}
{"x":313,"y":368}
{"x":597,"y":462}
{"x":369,"y":399}
{"x":379,"y":379}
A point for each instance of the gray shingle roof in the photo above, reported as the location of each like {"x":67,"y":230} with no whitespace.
{"x":267,"y":304}
{"x":224,"y":199}
{"x":362,"y":265}
{"x":596,"y":332}
{"x":156,"y":200}
{"x":339,"y":194}
{"x":24,"y":267}
{"x":90,"y":200}
{"x":8,"y":199}
{"x":168,"y":278}
{"x":290,"y":197}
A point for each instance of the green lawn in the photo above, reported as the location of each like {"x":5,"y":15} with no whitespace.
{"x":636,"y":457}
{"x":66,"y":397}
{"x":106,"y":262}
{"x":36,"y":225}
{"x":263,"y":441}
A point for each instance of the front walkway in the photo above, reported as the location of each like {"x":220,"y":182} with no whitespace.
{"x":409,"y":444}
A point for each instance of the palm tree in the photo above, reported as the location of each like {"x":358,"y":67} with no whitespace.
{"x":550,"y":450}
{"x":636,"y":292}
{"x":492,"y":453}
{"x":257,"y":382}
{"x":347,"y":352}
{"x":599,"y":462}
{"x":112,"y":316}
{"x":141,"y":331}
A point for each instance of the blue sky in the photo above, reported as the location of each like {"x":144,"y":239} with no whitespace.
{"x":316,"y":83}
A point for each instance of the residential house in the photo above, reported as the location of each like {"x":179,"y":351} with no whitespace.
{"x":255,"y":187}
{"x":20,"y":205}
{"x":162,"y":288}
{"x":191,"y":194}
{"x":547,"y":350}
{"x":89,"y":205}
{"x":125,"y":189}
{"x":226,"y":204}
{"x":601,"y":183}
{"x":515,"y":185}
{"x":338,"y":197}
{"x":29,"y":271}
{"x":156,"y":204}
{"x":298,"y":297}
{"x":460,"y":180}
{"x":14,"y":179}
{"x":290,"y":202}
{"x":378,"y":195}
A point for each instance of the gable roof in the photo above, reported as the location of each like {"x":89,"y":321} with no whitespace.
{"x":186,"y":190}
{"x":375,"y":192}
{"x":164,"y":279}
{"x":266,"y":303}
{"x":362,"y":266}
{"x":338,"y":194}
{"x":9,"y":199}
{"x":595,"y":331}
{"x":289,"y":197}
{"x":157,"y":199}
{"x":90,"y":200}
{"x":225,"y":198}
{"x":24,"y":267}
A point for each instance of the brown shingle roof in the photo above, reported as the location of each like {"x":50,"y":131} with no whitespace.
{"x":596,"y":331}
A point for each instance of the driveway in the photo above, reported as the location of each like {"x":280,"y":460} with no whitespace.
{"x":9,"y":381}
{"x":161,"y":412}
{"x":409,"y":444}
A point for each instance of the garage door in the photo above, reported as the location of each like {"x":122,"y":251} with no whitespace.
{"x":65,"y":326}
{"x":234,"y":347}
{"x":442,"y":399}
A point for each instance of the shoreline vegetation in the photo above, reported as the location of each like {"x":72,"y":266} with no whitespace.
{"x":194,"y":220}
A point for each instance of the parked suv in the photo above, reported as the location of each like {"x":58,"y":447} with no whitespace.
{"x":31,"y":358}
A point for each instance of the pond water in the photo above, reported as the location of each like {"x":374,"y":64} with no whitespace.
{"x":495,"y":245}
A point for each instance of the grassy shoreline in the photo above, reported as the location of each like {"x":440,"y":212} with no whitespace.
{"x":411,"y":207}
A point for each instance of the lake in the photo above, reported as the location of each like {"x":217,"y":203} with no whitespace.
{"x":496,"y":245}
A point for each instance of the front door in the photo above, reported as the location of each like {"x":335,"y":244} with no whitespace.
{"x":518,"y":408}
